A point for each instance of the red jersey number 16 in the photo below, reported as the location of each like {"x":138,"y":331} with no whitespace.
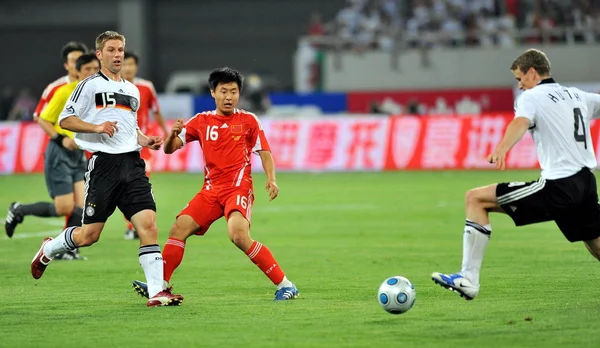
{"x":211,"y":133}
{"x":242,"y":201}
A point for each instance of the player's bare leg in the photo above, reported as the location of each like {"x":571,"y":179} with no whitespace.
{"x":79,"y":193}
{"x":64,"y":204}
{"x":70,"y":239}
{"x":479,"y":202}
{"x":69,"y":205}
{"x":130,"y":233}
{"x":238,"y":229}
{"x":151,"y":260}
{"x":593,"y":246}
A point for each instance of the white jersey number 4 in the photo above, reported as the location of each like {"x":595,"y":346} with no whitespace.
{"x":579,"y":133}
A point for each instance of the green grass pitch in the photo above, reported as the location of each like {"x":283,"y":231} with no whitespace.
{"x":337,"y":236}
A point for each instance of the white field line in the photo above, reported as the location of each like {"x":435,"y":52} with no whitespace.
{"x":45,"y":221}
{"x":18,"y":235}
{"x":313,"y":207}
{"x":273,"y":209}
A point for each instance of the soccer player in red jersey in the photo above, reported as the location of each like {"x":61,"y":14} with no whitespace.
{"x":148,"y":102}
{"x":228,"y":137}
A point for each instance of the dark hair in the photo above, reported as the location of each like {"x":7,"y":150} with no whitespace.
{"x":225,"y":75}
{"x":85,"y":59}
{"x":72,"y":46}
{"x":132,"y":55}
{"x":532,"y":58}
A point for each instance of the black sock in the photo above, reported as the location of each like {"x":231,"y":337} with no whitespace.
{"x":75,"y":218}
{"x":41,"y":209}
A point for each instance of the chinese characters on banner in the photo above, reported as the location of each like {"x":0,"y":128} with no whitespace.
{"x":340,"y":143}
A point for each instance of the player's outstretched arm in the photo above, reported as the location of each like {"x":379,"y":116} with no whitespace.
{"x":151,"y":142}
{"x":514,"y":132}
{"x":47,"y":127}
{"x":593,"y":101}
{"x":77,"y":125}
{"x":269,"y":166}
{"x":173,"y":142}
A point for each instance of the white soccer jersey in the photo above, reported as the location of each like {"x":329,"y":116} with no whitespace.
{"x":98,"y":99}
{"x":559,"y":123}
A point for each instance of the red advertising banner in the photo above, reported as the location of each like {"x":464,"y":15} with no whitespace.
{"x":458,"y":143}
{"x":440,"y":102}
{"x":328,"y":144}
{"x":364,"y":143}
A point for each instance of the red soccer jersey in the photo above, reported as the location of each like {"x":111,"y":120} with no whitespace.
{"x":227,"y":143}
{"x":148,"y":101}
{"x":49,"y":93}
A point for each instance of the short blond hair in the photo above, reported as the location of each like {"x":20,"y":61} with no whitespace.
{"x":108,"y":35}
{"x":532,"y":58}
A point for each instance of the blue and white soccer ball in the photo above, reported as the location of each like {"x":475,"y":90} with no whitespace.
{"x":396,"y":295}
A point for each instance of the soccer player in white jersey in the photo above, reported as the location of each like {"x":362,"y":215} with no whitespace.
{"x":102,"y":112}
{"x":558,"y":119}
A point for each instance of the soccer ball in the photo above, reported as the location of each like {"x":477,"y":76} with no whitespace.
{"x":396,"y":295}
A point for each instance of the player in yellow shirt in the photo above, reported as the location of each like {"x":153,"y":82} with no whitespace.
{"x":64,"y":163}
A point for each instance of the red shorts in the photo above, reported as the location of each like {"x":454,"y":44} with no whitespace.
{"x":208,"y":206}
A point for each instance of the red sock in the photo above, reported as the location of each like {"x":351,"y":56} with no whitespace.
{"x":262,"y":257}
{"x":67,"y":217}
{"x":129,"y":224}
{"x":172,"y":256}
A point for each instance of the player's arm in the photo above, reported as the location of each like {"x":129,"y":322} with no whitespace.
{"x":261,"y":146}
{"x":268,"y":164}
{"x":174,"y":140}
{"x":81,"y":101}
{"x":593,"y":101}
{"x":47,"y":127}
{"x":152,"y":142}
{"x":73,"y":123}
{"x":514,"y":132}
{"x":182,"y":134}
{"x":524,"y":119}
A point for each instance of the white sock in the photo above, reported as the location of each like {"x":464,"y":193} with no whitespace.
{"x":152,"y":263}
{"x":63,"y":242}
{"x":285,"y":283}
{"x":475,"y":240}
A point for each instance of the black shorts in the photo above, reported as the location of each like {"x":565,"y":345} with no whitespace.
{"x":113,"y":181}
{"x":62,"y":169}
{"x":571,"y":202}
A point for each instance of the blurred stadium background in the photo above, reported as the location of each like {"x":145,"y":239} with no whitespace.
{"x":307,"y":61}
{"x":365,"y":89}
